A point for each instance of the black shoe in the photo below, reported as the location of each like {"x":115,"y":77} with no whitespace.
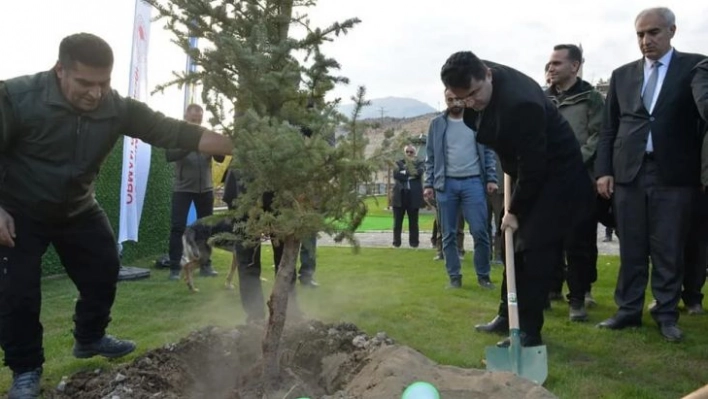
{"x":498,"y":325}
{"x":309,"y":283}
{"x":25,"y":385}
{"x":695,"y":310}
{"x":619,"y":323}
{"x":670,"y":332}
{"x":526,"y":341}
{"x":208,"y":271}
{"x":439,"y":256}
{"x":455,"y":283}
{"x":485,"y":282}
{"x":174,"y":275}
{"x":107,"y":346}
{"x":577,"y":313}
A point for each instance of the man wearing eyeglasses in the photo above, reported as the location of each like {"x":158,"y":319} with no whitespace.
{"x":407,"y":196}
{"x":538,"y":149}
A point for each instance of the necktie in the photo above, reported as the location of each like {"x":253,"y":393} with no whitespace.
{"x":649,"y":89}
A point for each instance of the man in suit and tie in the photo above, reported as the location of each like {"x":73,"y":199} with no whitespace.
{"x":648,"y":156}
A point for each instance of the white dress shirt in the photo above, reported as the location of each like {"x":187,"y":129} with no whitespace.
{"x":665,"y":60}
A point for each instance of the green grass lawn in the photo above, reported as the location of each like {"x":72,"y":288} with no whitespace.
{"x":401,"y":292}
{"x":379,"y":218}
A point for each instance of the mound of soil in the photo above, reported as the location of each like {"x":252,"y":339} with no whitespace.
{"x":319,"y":361}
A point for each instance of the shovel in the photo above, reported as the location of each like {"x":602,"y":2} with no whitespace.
{"x":527,"y":362}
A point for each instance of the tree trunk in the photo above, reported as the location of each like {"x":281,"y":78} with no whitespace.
{"x":286,"y":13}
{"x":277,"y":309}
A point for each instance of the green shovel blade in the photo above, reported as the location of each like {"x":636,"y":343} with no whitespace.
{"x":527,"y":362}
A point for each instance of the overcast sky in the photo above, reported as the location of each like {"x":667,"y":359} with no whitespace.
{"x":397,"y":50}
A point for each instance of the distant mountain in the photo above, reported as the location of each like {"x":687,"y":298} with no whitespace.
{"x":392,"y":107}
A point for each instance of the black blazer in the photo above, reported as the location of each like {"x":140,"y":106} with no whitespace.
{"x":675,"y":125}
{"x":415,"y":192}
{"x":536,"y":147}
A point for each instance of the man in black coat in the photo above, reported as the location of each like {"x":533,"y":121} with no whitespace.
{"x":538,"y":149}
{"x":407,"y":196}
{"x":648,"y":156}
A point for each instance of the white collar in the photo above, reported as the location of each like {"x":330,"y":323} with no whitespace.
{"x":665,"y":59}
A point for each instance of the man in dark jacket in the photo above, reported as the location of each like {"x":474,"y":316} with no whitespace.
{"x":696,"y":251}
{"x":648,"y":161}
{"x":407,"y":196}
{"x":56,"y":129}
{"x":581,"y":105}
{"x":193,"y":184}
{"x":537,"y":148}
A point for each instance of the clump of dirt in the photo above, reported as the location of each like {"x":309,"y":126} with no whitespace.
{"x":319,"y":361}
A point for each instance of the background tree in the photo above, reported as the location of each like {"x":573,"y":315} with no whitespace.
{"x":265,"y":86}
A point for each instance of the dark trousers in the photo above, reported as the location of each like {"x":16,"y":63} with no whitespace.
{"x":87,"y":250}
{"x":250,"y":289}
{"x":398,"y":213}
{"x":578,"y":263}
{"x":495,"y":209}
{"x":579,"y":259}
{"x":308,"y":259}
{"x":181,"y":201}
{"x":653,"y":220}
{"x":696,"y":254}
{"x":533,"y":268}
{"x":249,"y":272}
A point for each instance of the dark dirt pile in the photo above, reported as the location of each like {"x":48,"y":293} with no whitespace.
{"x":319,"y":361}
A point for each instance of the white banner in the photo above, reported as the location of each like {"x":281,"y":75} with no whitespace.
{"x":136,"y":154}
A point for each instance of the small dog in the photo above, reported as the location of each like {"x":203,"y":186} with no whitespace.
{"x":197,"y":250}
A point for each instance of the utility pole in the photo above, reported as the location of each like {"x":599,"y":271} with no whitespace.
{"x":382,"y":111}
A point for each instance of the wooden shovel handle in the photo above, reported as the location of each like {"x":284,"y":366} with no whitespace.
{"x":512,"y":300}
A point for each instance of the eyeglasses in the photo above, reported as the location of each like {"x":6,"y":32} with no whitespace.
{"x":410,"y":152}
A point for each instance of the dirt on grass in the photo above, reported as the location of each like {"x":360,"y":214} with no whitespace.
{"x":319,"y":361}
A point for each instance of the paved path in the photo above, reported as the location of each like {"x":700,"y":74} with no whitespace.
{"x":384,"y":239}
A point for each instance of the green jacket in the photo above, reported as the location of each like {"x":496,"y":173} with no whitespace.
{"x":582,"y":107}
{"x":50,"y":153}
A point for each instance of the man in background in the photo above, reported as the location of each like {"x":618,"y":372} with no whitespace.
{"x":459,"y":173}
{"x":192,"y":184}
{"x":582,"y":106}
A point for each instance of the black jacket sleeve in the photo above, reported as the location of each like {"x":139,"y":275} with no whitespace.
{"x":7,"y":129}
{"x":608,"y":133}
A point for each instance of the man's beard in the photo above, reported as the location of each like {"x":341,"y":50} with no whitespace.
{"x":456,"y":110}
